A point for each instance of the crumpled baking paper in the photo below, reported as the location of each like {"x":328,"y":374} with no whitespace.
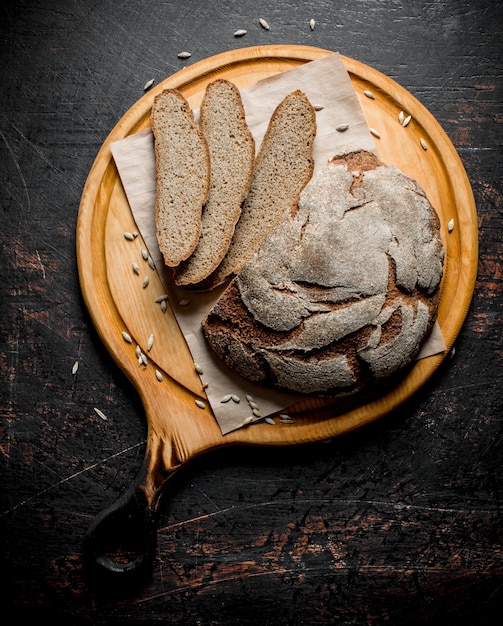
{"x":328,"y":87}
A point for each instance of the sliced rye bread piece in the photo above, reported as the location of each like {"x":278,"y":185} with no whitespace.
{"x":182,"y":176}
{"x":282,"y":168}
{"x":232,"y":155}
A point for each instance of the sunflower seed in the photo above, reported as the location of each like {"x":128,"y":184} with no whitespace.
{"x":342,"y":127}
{"x":126,"y":336}
{"x":263,"y":23}
{"x":312,"y":24}
{"x":406,"y":121}
{"x":184,"y":55}
{"x":369,"y":94}
{"x":198,"y":368}
{"x":226,"y":398}
{"x":161,"y":298}
{"x":136,"y":269}
{"x":450,"y":225}
{"x":253,"y":405}
{"x":374,"y":132}
{"x":144,"y":360}
{"x":318,"y":107}
{"x":148,"y":84}
{"x":150,"y":343}
{"x":257,"y":413}
{"x":270,"y":421}
{"x":163,"y":306}
{"x":423,"y":143}
{"x":235,"y":398}
{"x":151,"y":263}
{"x":138,"y":352}
{"x":100,"y":414}
{"x":128,"y":236}
{"x":145,"y":282}
{"x":248,"y":420}
{"x":159,"y":376}
{"x":140,"y":360}
{"x":401,"y":117}
{"x":183,"y":302}
{"x":144,"y":254}
{"x":75,"y":367}
{"x":200,"y":404}
{"x":135,"y":234}
{"x":250,"y":398}
{"x":240,"y":32}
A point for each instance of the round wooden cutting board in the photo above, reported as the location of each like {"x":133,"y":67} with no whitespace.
{"x":177,"y":429}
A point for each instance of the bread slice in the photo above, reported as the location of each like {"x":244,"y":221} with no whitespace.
{"x":282,"y":168}
{"x":232,"y":155}
{"x":182,"y":176}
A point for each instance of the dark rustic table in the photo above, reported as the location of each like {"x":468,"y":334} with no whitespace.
{"x":399,"y":523}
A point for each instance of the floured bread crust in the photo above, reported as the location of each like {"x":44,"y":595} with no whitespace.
{"x":341,"y":293}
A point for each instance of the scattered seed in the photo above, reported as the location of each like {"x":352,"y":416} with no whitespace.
{"x":240,"y":32}
{"x":198,"y":368}
{"x":248,"y":420}
{"x":144,"y":360}
{"x":128,"y":236}
{"x":161,"y":298}
{"x":200,"y":404}
{"x":140,"y":360}
{"x":151,"y":263}
{"x":148,"y":84}
{"x":318,"y":107}
{"x":369,"y":94}
{"x":270,"y":421}
{"x":450,"y":225}
{"x":136,"y":269}
{"x":183,"y":302}
{"x":138,"y":352}
{"x":235,"y":398}
{"x":150,"y":343}
{"x":285,"y":419}
{"x":342,"y":127}
{"x":205,"y":385}
{"x":263,"y":23}
{"x":144,"y":254}
{"x":226,"y":398}
{"x":126,"y":336}
{"x":250,"y":398}
{"x":135,"y":234}
{"x":184,"y":55}
{"x":163,"y":306}
{"x":100,"y":414}
{"x":145,"y":282}
{"x":312,"y":24}
{"x":423,"y":143}
{"x":257,"y":413}
{"x":401,"y":117}
{"x":374,"y":132}
{"x":159,"y":376}
{"x":406,"y":121}
{"x":253,"y":405}
{"x":75,"y":367}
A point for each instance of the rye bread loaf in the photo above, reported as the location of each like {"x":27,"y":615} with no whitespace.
{"x":343,"y":292}
{"x":282,"y":168}
{"x":232,"y":154}
{"x":182,"y":176}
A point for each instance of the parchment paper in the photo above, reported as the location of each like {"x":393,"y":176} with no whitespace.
{"x":327,"y":84}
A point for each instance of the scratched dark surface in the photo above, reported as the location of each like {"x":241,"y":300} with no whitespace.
{"x":400,"y":523}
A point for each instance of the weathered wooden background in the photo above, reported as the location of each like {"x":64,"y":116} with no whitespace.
{"x":400,"y":523}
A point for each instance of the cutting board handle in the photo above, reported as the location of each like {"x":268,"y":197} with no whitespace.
{"x":121,"y":541}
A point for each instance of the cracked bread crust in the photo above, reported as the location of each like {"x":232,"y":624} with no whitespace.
{"x":343,"y":292}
